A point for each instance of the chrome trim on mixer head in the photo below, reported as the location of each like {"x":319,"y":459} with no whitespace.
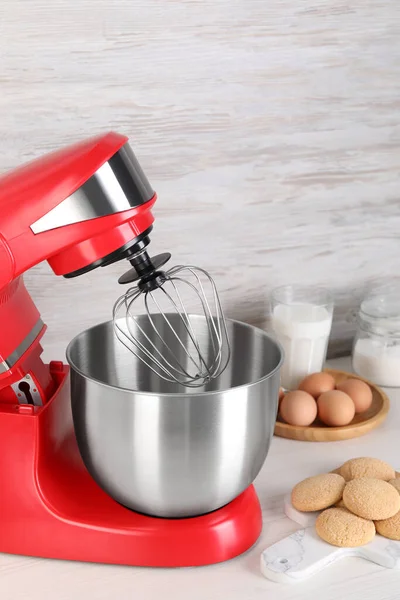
{"x":14,"y":357}
{"x":118,"y":185}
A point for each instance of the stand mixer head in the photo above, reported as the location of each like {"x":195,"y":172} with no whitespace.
{"x":79,"y":208}
{"x":84,"y":207}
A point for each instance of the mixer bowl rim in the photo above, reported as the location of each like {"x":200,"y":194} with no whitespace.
{"x":257,"y":330}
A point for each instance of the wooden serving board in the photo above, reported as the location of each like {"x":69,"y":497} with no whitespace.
{"x":361,"y":424}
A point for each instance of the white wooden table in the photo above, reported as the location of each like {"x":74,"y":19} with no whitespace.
{"x":287,"y":462}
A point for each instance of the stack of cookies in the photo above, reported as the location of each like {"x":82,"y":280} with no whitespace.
{"x":357,"y":500}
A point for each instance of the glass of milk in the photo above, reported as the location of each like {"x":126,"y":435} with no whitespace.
{"x":301,"y":318}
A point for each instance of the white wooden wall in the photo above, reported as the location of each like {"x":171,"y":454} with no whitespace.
{"x":269,"y":128}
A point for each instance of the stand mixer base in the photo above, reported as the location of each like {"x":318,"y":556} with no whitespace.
{"x":51,"y":507}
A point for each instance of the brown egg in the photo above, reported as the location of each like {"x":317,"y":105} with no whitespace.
{"x":317,"y":383}
{"x":281,"y":395}
{"x":298,"y":408}
{"x":335,"y":408}
{"x":359,"y":392}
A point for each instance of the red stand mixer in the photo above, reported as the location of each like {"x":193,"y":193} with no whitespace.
{"x":79,"y":208}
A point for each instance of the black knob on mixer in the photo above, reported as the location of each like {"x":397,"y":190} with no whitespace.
{"x":144,"y":268}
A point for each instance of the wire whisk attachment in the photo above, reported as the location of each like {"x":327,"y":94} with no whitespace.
{"x":174,"y":342}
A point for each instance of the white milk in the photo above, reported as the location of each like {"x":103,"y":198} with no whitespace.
{"x":377,"y":360}
{"x":303,"y":330}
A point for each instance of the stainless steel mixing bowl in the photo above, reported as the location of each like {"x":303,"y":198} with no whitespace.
{"x":165,"y":450}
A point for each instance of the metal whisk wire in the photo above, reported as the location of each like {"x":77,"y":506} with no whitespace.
{"x":199,"y":362}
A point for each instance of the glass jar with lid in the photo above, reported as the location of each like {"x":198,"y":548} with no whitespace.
{"x":376,"y":347}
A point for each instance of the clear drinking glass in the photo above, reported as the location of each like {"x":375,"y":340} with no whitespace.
{"x":301,"y":317}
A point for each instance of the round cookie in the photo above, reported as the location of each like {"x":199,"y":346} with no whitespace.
{"x":356,"y":468}
{"x":395,"y":483}
{"x":339,"y":527}
{"x":371,"y":498}
{"x":317,"y":493}
{"x":390,"y":528}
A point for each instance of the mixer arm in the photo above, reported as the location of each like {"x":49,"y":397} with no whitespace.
{"x":73,"y":208}
{"x":79,"y":208}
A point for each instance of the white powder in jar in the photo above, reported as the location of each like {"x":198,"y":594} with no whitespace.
{"x":378,"y":360}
